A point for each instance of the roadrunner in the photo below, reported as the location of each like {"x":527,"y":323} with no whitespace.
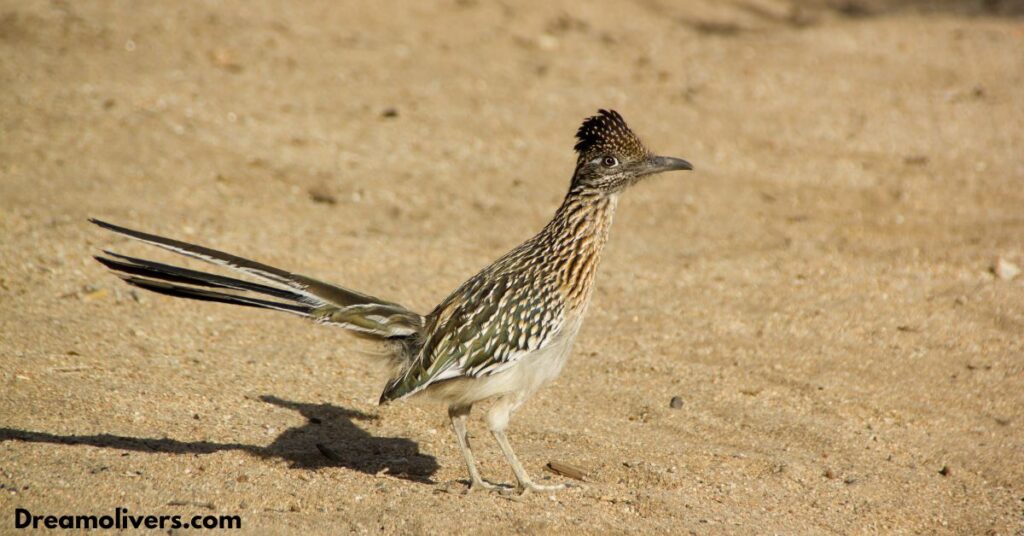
{"x":502,"y":335}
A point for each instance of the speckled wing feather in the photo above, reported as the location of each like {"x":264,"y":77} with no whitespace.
{"x":484,"y":327}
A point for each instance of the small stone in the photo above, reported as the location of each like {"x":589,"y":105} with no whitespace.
{"x":225,"y":60}
{"x":321,"y":194}
{"x":547,"y":42}
{"x":944,"y":471}
{"x":915,"y":160}
{"x":389,"y":113}
{"x":676,"y":403}
{"x":1005,"y":269}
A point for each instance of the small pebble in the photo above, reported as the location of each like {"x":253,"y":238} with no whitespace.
{"x":547,"y":42}
{"x":915,"y":160}
{"x":676,"y":403}
{"x":1005,"y":269}
{"x":320,"y":194}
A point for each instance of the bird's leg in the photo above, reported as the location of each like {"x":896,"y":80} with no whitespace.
{"x":525,"y":484}
{"x":497,"y":420}
{"x":458,"y":415}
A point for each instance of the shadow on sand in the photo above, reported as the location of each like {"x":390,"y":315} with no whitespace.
{"x":329,"y":438}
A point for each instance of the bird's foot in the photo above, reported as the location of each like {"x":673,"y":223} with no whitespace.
{"x":483,"y":485}
{"x":458,"y":487}
{"x":525,"y":488}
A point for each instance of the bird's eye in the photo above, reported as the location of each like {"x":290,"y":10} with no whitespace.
{"x":609,"y":161}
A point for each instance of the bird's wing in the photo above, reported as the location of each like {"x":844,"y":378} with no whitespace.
{"x":483,"y":328}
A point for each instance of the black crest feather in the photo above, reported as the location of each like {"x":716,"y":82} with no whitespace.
{"x":607,"y":133}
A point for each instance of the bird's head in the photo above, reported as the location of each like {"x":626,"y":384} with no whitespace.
{"x":612,"y":158}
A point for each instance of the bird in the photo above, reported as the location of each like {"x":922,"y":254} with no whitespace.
{"x":499,"y":337}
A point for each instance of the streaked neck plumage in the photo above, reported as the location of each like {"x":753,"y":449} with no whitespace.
{"x":576,"y":235}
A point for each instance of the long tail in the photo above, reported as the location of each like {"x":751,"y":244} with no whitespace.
{"x":293,"y":293}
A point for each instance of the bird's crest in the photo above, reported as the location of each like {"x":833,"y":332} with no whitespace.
{"x":607,"y":133}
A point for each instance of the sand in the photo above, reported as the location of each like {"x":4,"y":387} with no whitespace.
{"x":820,"y":293}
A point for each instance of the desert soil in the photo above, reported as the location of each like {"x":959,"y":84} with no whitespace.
{"x":819,"y":293}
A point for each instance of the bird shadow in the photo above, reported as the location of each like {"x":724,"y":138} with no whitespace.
{"x":328,"y":438}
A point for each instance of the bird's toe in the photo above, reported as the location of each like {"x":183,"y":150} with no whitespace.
{"x":527,"y":487}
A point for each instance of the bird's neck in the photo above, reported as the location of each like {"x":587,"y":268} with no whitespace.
{"x":584,"y":217}
{"x":577,"y":234}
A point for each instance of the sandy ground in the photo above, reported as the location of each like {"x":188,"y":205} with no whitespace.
{"x":819,"y":293}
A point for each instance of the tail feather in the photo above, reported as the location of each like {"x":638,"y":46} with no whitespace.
{"x":175,"y":274}
{"x":325,"y":293}
{"x":304,"y":296}
{"x":181,"y":291}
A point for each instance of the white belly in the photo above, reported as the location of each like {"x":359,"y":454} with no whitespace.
{"x":530,"y":372}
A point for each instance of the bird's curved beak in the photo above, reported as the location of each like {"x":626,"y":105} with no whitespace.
{"x":661,"y":164}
